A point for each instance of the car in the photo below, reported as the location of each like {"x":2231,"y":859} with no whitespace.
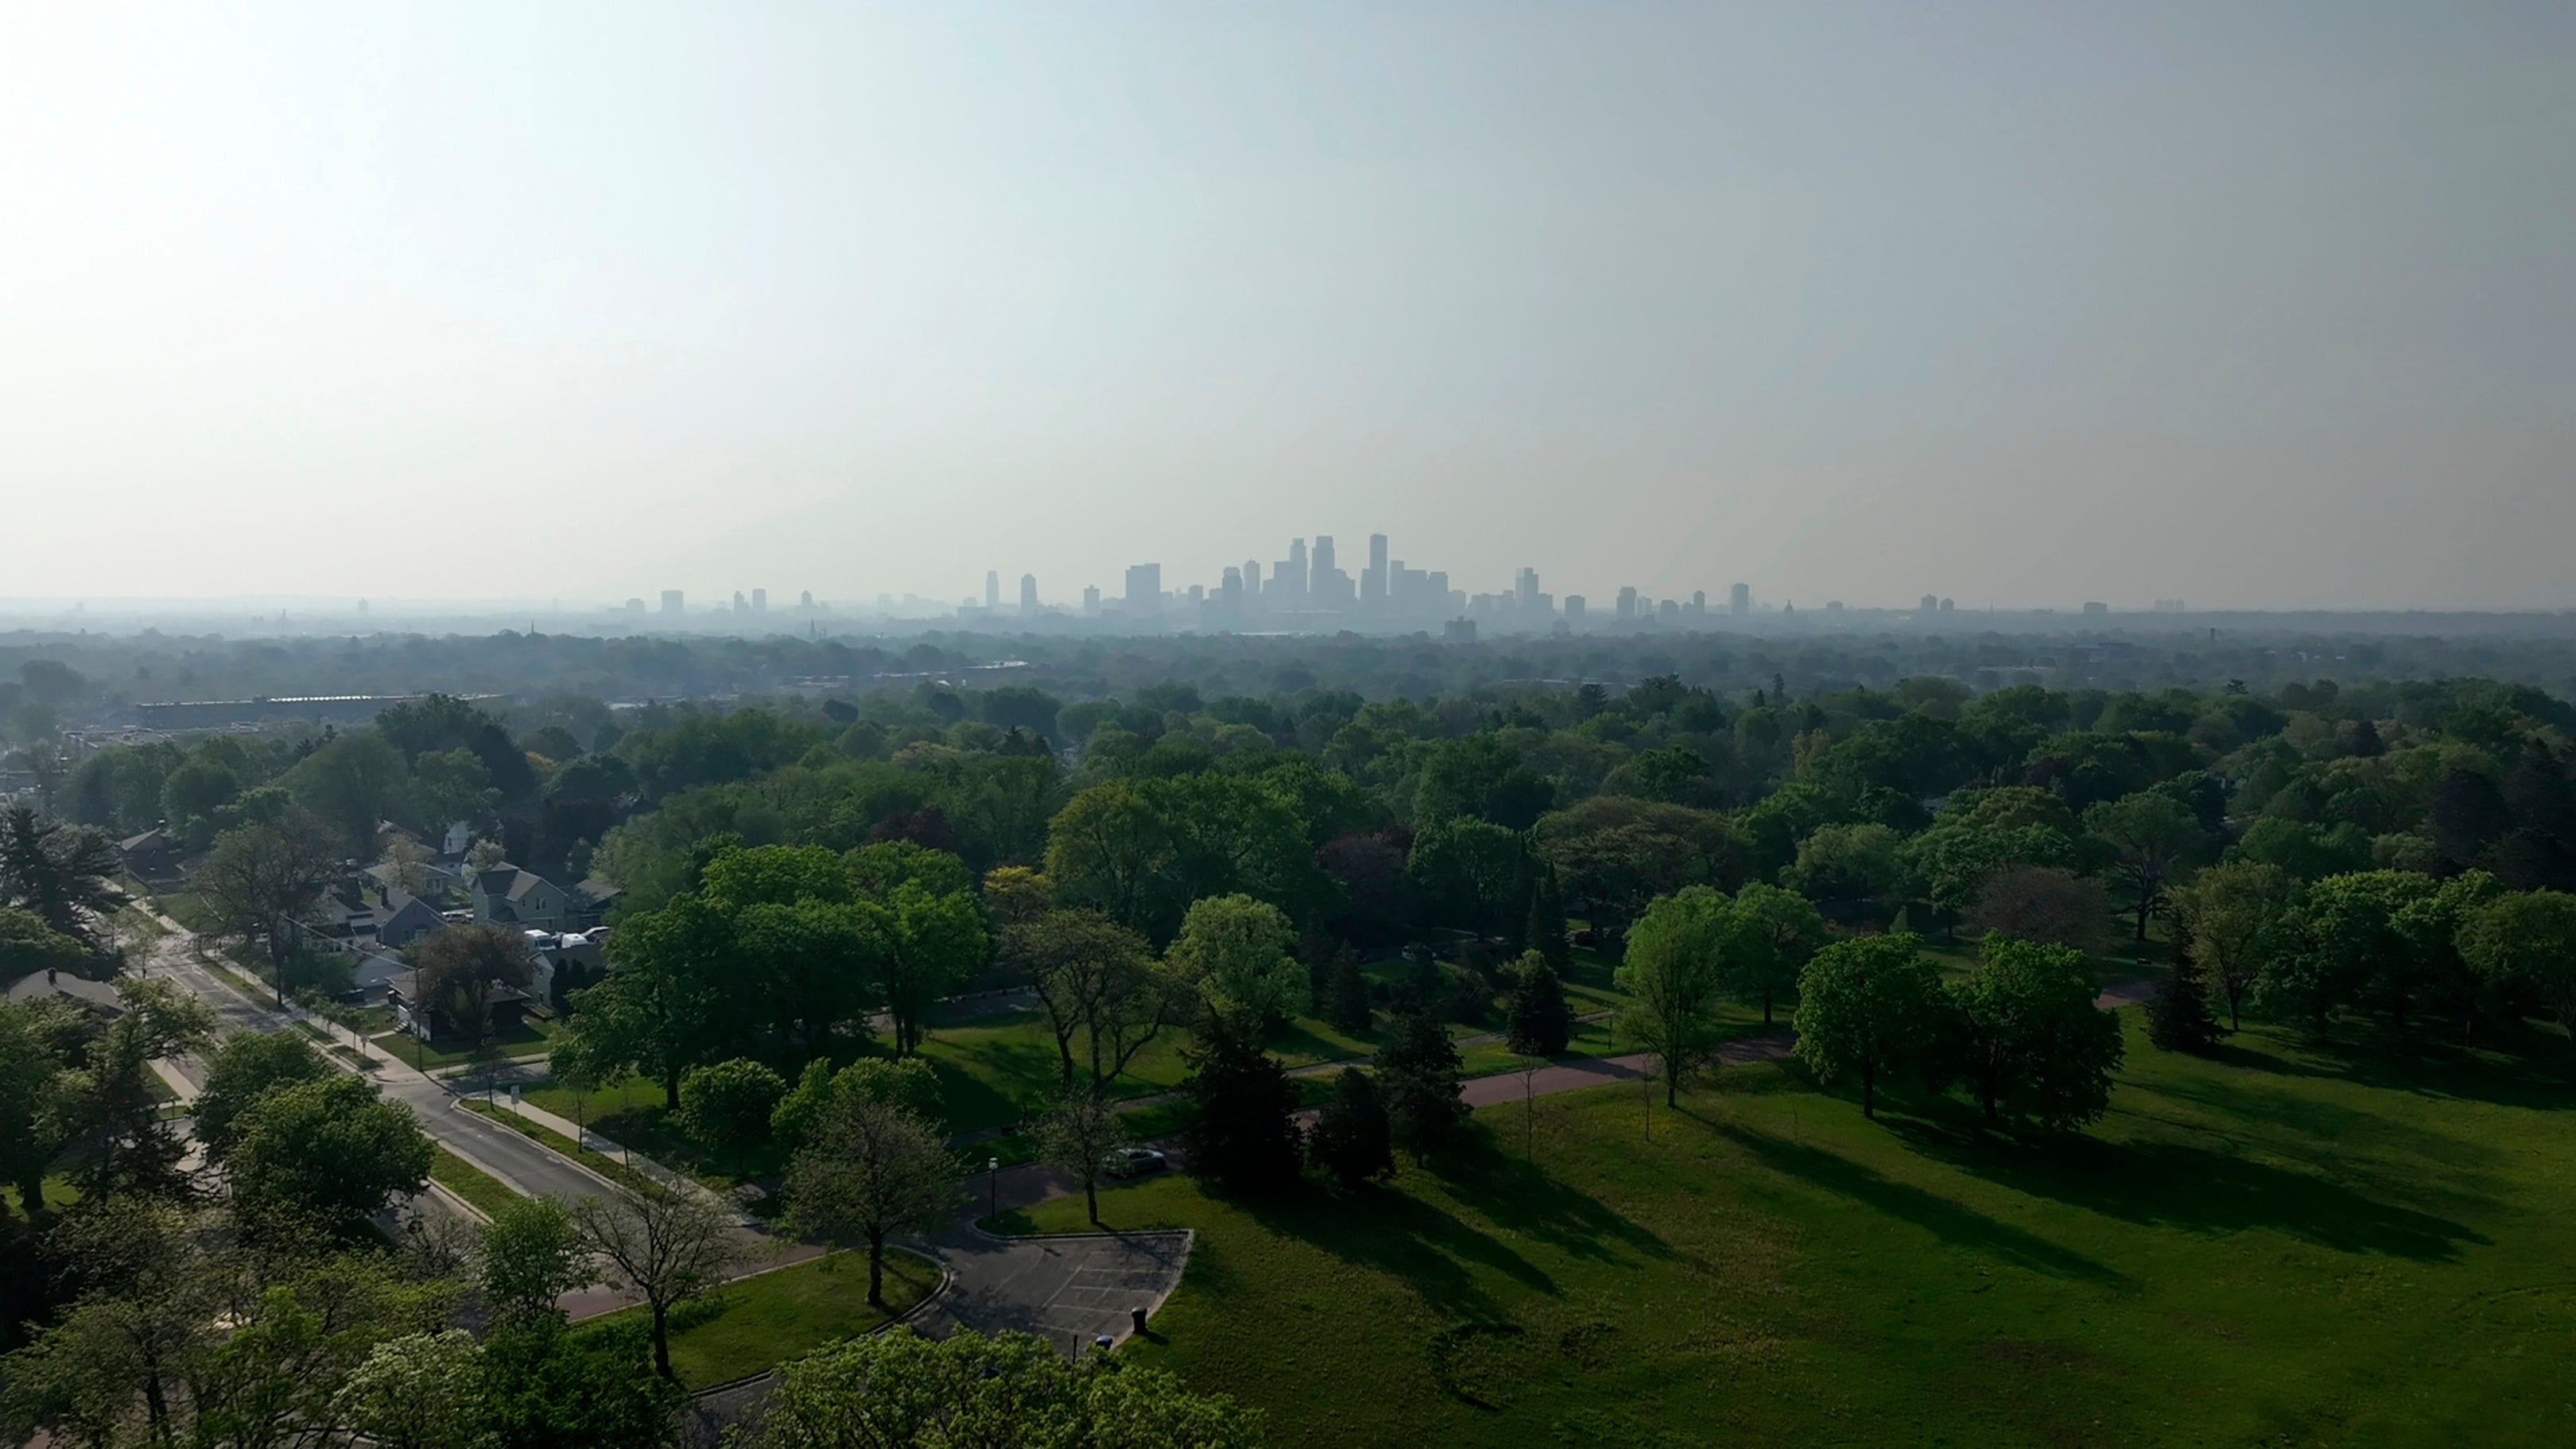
{"x":1133,"y":1162}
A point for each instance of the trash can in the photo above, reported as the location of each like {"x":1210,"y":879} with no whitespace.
{"x":1137,"y":1315}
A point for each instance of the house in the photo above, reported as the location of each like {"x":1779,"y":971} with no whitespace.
{"x":435,"y":882}
{"x":431,"y":1021}
{"x":590,"y":902}
{"x":48,"y":985}
{"x":562,"y":964}
{"x":508,"y":896}
{"x":395,"y":922}
{"x":153,"y":855}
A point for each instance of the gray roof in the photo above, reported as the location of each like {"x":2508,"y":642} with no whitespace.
{"x":508,"y":882}
{"x":34,"y":987}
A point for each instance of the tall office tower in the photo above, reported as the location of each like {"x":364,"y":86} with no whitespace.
{"x":1198,"y":593}
{"x":1699,"y":601}
{"x":1525,"y":588}
{"x":1029,"y":594}
{"x":1323,"y":558}
{"x":1145,"y":588}
{"x":1289,"y":577}
{"x":1949,"y":604}
{"x":1574,"y":608}
{"x":1931,"y":604}
{"x":760,"y":601}
{"x":671,"y":603}
{"x":741,"y":605}
{"x":1326,"y":586}
{"x":1091,"y":601}
{"x":993,"y":590}
{"x":1230,"y":592}
{"x":1377,"y":585}
{"x":1252,"y":578}
{"x":1627,"y":603}
{"x":805,"y":599}
{"x":635,"y":606}
{"x":1739,"y":600}
{"x":1372,"y":589}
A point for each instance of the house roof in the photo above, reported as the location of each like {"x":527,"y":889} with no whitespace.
{"x":155,"y":838}
{"x":406,"y":984}
{"x":34,"y":987}
{"x":508,"y":882}
{"x":600,"y":891}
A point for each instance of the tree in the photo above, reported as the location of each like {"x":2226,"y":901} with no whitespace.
{"x":660,"y":1011}
{"x":2528,"y":940}
{"x":2042,"y":904}
{"x":1847,"y":863}
{"x":1465,"y":869}
{"x":420,"y":1391}
{"x":1098,"y":984}
{"x":1540,"y":1023}
{"x":353,"y":783}
{"x":2031,"y":1043}
{"x":898,"y":1390}
{"x":2347,"y":942}
{"x":28,"y":945}
{"x":1546,"y":930}
{"x":323,"y":1156}
{"x":531,"y":1254}
{"x":1076,"y":1137}
{"x":1418,"y":1076}
{"x":246,"y":1068}
{"x":64,"y":874}
{"x":1352,"y":1141}
{"x":545,"y":1387}
{"x":107,"y":1107}
{"x":2234,"y":914}
{"x":1867,"y":1007}
{"x":30,"y":1079}
{"x":1242,"y":1131}
{"x":1674,"y":965}
{"x":727,"y":1105}
{"x":2151,"y":836}
{"x":1238,"y":951}
{"x":2178,"y":1018}
{"x":259,"y":881}
{"x":908,"y":1083}
{"x":1769,"y":938}
{"x":870,"y":1170}
{"x":667,"y":1244}
{"x":923,"y":945}
{"x":463,"y":966}
{"x":1482,"y":778}
{"x":1347,"y":1006}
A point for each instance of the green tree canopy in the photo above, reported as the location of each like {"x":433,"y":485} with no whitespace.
{"x":1867,"y":1007}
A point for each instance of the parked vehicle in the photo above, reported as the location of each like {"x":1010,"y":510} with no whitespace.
{"x":1133,"y":1162}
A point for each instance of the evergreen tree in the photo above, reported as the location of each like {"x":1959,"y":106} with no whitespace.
{"x":1352,"y":1142}
{"x":2178,"y":1018}
{"x":1348,"y":1007}
{"x":1418,"y":1074}
{"x":1547,"y":922}
{"x":1243,"y":1135}
{"x":1541,"y":1022}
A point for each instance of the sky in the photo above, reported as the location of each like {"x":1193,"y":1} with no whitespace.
{"x":2254,"y":304}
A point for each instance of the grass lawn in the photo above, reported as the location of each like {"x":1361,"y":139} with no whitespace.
{"x":59,"y":1194}
{"x":2282,"y":1245}
{"x":756,"y":1323}
{"x":469,"y":1182}
{"x":530,"y":1038}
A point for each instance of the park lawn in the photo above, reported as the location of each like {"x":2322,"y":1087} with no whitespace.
{"x":2281,"y":1245}
{"x":756,"y":1323}
{"x":486,"y":1192}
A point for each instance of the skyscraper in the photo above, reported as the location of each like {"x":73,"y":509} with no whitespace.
{"x":671,"y":602}
{"x":1230,"y":593}
{"x":1376,"y":586}
{"x":1145,"y":588}
{"x":1931,"y":604}
{"x":1029,"y":594}
{"x":993,"y":590}
{"x":1525,"y":588}
{"x":1739,"y":600}
{"x":1091,"y":601}
{"x":1627,"y":603}
{"x":760,"y":601}
{"x":1574,"y":608}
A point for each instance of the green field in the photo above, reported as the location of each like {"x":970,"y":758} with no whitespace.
{"x":528,"y":1039}
{"x":756,"y":1323}
{"x":2283,"y":1245}
{"x":486,"y":1192}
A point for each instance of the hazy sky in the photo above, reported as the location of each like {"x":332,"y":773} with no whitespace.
{"x":2253,"y":303}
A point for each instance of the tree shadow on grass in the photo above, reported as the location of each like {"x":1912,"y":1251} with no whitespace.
{"x":2176,"y":1185}
{"x":1432,"y":1251}
{"x":2516,"y":1066}
{"x":1951,"y":1222}
{"x":1518,"y":1195}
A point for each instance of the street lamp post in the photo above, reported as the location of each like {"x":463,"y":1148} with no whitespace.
{"x":992,"y":1187}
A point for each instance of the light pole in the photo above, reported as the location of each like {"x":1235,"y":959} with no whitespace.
{"x":992,"y":1187}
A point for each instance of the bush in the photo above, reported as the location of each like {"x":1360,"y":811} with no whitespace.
{"x":726,"y":1107}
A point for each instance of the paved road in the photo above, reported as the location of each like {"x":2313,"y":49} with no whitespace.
{"x":515,"y":1160}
